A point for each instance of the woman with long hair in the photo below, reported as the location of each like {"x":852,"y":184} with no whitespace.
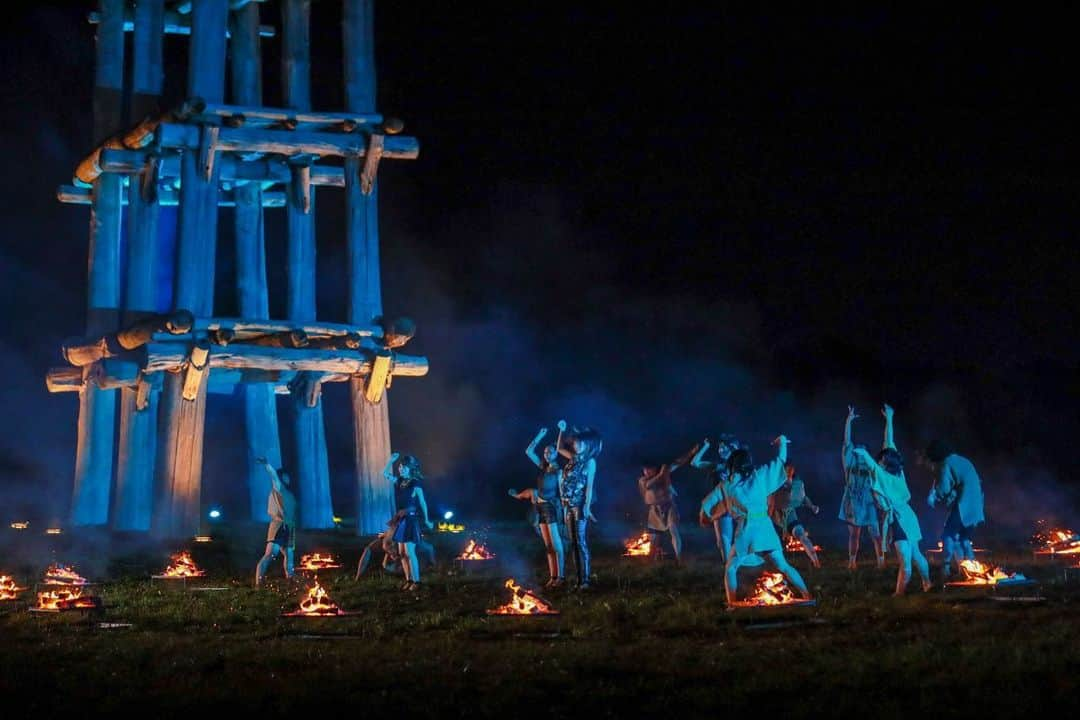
{"x":576,"y":493}
{"x":545,"y":502}
{"x":857,"y":506}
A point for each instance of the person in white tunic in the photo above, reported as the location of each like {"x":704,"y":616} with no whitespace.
{"x":857,"y":506}
{"x":748,"y":491}
{"x":891,"y":491}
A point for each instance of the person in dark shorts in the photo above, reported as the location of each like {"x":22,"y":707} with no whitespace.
{"x":544,"y":503}
{"x":659,"y":495}
{"x":784,"y":505}
{"x":281,"y":534}
{"x":405,"y":474}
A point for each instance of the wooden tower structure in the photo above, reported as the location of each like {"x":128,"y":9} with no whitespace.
{"x":153,"y":347}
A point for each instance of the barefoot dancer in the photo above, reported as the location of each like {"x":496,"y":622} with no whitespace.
{"x":857,"y":507}
{"x":576,"y":493}
{"x":281,"y":534}
{"x":391,"y":562}
{"x":749,"y":490}
{"x":784,"y":507}
{"x":714,"y":506}
{"x":958,"y":486}
{"x":659,"y":496}
{"x":545,"y":500}
{"x":408,"y":481}
{"x":891,"y":489}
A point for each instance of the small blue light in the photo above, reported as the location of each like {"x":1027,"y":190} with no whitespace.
{"x":215,"y":514}
{"x":448,"y":514}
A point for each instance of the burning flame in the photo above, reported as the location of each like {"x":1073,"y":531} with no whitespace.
{"x":450,"y":527}
{"x":58,"y":574}
{"x":1055,"y":541}
{"x":523,"y":602}
{"x":64,"y":599}
{"x":771,"y":589}
{"x":641,"y":545}
{"x":978,"y":573}
{"x":318,"y":561}
{"x":8,"y":589}
{"x":182,"y":567}
{"x":317,"y":603}
{"x":475,"y":551}
{"x":793,"y":544}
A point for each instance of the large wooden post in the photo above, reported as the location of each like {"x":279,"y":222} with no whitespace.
{"x":97,"y":408}
{"x":179,"y":466}
{"x":371,"y":423}
{"x":312,"y":470}
{"x":260,"y":404}
{"x":133,"y":506}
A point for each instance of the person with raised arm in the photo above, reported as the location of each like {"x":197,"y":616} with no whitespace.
{"x":893,"y":496}
{"x":576,"y":490}
{"x":659,"y":495}
{"x":957,"y":485}
{"x":857,"y":506}
{"x":714,"y":508}
{"x":281,"y":534}
{"x":405,"y":474}
{"x":544,"y":500}
{"x":749,"y":490}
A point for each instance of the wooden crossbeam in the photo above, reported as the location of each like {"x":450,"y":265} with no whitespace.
{"x":161,"y":356}
{"x":72,"y":195}
{"x":288,"y":143}
{"x":231,"y":168}
{"x":262,"y":117}
{"x":175,"y":23}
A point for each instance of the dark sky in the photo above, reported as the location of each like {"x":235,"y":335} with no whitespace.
{"x":667,"y":225}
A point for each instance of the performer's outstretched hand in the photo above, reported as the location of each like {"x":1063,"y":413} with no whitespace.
{"x":887,"y":410}
{"x":561,"y":425}
{"x":781,"y":440}
{"x":851,"y":415}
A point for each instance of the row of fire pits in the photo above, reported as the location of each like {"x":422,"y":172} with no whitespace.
{"x":66,"y":590}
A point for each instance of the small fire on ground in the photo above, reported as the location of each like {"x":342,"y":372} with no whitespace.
{"x":182,"y":567}
{"x":58,"y":574}
{"x":475,"y":551}
{"x":317,"y":603}
{"x":522,"y":602}
{"x":639,"y":546}
{"x":446,"y":527}
{"x":318,"y":561}
{"x":65,"y":599}
{"x":979,"y":573}
{"x":9,"y":589}
{"x":1055,"y":541}
{"x":771,"y":589}
{"x":793,"y":544}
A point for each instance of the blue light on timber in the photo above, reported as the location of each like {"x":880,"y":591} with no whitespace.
{"x":448,"y":514}
{"x":215,"y":514}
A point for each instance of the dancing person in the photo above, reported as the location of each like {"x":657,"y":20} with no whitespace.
{"x":391,"y":562}
{"x":749,"y":490}
{"x":281,"y":533}
{"x":544,"y":501}
{"x":576,"y":490}
{"x":714,"y":508}
{"x":784,"y":507}
{"x":659,"y":496}
{"x":407,"y":478}
{"x":857,"y":506}
{"x":958,"y":487}
{"x":891,"y":491}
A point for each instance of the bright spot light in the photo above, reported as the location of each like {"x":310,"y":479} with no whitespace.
{"x":448,"y":514}
{"x":215,"y":513}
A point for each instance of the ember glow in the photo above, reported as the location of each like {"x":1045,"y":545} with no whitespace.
{"x":639,"y":546}
{"x":446,"y":527}
{"x":1056,"y":541}
{"x":53,"y":531}
{"x":318,"y":561}
{"x":182,"y":567}
{"x":9,"y":590}
{"x":317,"y":604}
{"x":793,"y":544}
{"x":523,"y":602}
{"x":20,"y":525}
{"x":203,"y":539}
{"x":475,"y":551}
{"x":978,"y":573}
{"x":58,"y":574}
{"x":65,"y":599}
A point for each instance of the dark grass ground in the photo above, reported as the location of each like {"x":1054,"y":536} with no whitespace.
{"x":650,"y":639}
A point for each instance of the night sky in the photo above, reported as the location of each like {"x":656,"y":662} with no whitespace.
{"x":666,"y":225}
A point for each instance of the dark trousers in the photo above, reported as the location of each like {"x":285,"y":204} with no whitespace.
{"x":575,"y":528}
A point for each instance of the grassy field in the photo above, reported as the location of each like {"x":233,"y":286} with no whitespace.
{"x":651,"y":638}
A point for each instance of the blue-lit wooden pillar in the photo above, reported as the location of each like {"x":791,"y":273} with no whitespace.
{"x":371,"y":423}
{"x":260,"y":403}
{"x":179,"y":466}
{"x":312,"y":470}
{"x":134,"y":501}
{"x":97,"y":408}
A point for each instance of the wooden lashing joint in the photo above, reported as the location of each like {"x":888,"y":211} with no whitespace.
{"x":307,"y":388}
{"x":300,"y":185}
{"x":379,"y":379}
{"x":197,"y":367}
{"x":371,"y":163}
{"x":142,"y":393}
{"x":208,"y":139}
{"x":149,"y":178}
